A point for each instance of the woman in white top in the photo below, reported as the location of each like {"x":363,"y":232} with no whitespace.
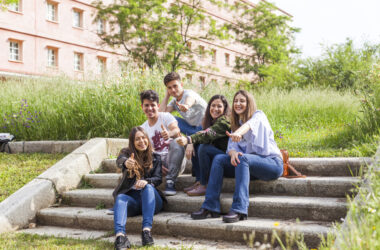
{"x":251,"y":153}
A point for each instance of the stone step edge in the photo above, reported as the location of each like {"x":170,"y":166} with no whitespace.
{"x":134,"y":238}
{"x":181,"y":224}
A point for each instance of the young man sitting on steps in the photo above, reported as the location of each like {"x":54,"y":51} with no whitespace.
{"x":187,"y":102}
{"x":161,"y":127}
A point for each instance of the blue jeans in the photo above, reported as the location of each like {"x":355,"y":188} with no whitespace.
{"x":250,"y":166}
{"x":146,"y":202}
{"x":186,"y":128}
{"x":195,"y":169}
{"x":206,"y":153}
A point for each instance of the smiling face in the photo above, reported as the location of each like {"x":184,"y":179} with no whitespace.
{"x":175,"y":88}
{"x":141,"y":141}
{"x":216,"y":108}
{"x":240,"y":104}
{"x":150,"y":109}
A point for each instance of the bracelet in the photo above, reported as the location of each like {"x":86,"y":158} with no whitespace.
{"x":188,"y":139}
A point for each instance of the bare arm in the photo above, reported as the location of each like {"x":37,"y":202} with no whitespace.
{"x":164,"y":104}
{"x":173,"y":130}
{"x":238,"y":134}
{"x":188,"y":103}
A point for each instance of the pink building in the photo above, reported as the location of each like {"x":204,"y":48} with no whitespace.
{"x":43,"y":37}
{"x":52,"y":37}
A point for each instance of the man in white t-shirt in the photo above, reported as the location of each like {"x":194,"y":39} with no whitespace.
{"x":161,"y":127}
{"x":187,"y":102}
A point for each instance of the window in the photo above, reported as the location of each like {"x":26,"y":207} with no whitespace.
{"x":100,"y":24}
{"x":77,"y":18}
{"x":201,"y":51}
{"x":188,"y":44}
{"x":213,"y":53}
{"x":15,"y":50}
{"x":101,"y":67}
{"x":189,"y":78}
{"x":52,"y":11}
{"x":17,"y":7}
{"x":78,"y":61}
{"x":52,"y":57}
{"x":227,"y":58}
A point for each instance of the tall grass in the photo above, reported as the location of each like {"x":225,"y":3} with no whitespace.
{"x":305,"y":121}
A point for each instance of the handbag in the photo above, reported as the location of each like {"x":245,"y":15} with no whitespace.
{"x":288,"y":167}
{"x":4,"y":139}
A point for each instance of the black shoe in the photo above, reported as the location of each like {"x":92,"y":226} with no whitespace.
{"x":122,"y":242}
{"x":232,"y":217}
{"x":146,"y":238}
{"x":203,"y":214}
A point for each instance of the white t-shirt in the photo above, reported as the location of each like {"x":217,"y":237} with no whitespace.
{"x":159,"y":144}
{"x":195,"y":114}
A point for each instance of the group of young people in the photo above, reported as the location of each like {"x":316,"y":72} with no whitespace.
{"x":221,"y":142}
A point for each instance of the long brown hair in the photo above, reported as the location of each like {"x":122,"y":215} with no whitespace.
{"x":207,"y":120}
{"x":250,"y":109}
{"x":144,"y":159}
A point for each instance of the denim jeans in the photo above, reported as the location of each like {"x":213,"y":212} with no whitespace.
{"x":250,"y":166}
{"x":206,"y":153}
{"x":146,"y":202}
{"x":195,"y":169}
{"x":174,"y":161}
{"x":186,"y":128}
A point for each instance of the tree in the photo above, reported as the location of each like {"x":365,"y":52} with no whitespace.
{"x":189,"y":23}
{"x":5,"y":3}
{"x":137,"y":26}
{"x":154,"y":34}
{"x":268,"y":36}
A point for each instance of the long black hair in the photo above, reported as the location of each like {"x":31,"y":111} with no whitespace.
{"x":208,"y":120}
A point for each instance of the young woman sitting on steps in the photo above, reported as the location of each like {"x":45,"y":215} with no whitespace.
{"x":210,"y":141}
{"x":136,"y":193}
{"x":251,"y":153}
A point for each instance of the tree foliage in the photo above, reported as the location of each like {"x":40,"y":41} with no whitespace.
{"x":5,"y":3}
{"x":154,"y":32}
{"x":267,"y":35}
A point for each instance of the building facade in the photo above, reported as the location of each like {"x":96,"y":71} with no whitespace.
{"x":55,"y":37}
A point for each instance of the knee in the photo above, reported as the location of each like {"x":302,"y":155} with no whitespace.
{"x":174,"y":146}
{"x":148,"y":189}
{"x":220,"y":159}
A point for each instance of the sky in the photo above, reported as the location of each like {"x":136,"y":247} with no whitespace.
{"x":332,"y":21}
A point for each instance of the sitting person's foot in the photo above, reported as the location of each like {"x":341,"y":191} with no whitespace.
{"x":122,"y":242}
{"x":232,"y":217}
{"x":203,"y":214}
{"x":200,"y":190}
{"x":195,"y":184}
{"x":170,"y":188}
{"x":146,"y":238}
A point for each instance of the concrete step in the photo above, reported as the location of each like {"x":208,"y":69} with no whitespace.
{"x":338,"y":166}
{"x":180,"y":224}
{"x":264,"y":206}
{"x":135,"y":238}
{"x":311,"y":186}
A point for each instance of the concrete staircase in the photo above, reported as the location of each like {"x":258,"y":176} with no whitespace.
{"x":306,"y":206}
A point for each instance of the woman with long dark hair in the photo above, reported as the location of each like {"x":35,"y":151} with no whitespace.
{"x":251,"y":153}
{"x":136,"y":193}
{"x":210,"y":141}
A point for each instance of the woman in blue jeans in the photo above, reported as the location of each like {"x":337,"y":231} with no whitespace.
{"x":251,"y":153}
{"x":208,"y":143}
{"x":136,"y":193}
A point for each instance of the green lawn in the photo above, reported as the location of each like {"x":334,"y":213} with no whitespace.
{"x":18,"y":169}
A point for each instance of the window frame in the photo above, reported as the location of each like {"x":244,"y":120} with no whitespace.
{"x":54,"y":17}
{"x":80,"y":12}
{"x":55,"y":57}
{"x":19,"y":7}
{"x":19,"y":50}
{"x":227,"y":58}
{"x":101,"y":60}
{"x":81,"y":65}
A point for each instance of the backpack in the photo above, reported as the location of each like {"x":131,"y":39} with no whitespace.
{"x":4,"y":139}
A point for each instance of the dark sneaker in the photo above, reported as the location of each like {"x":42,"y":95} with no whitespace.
{"x":170,"y":188}
{"x":146,"y":238}
{"x":122,"y":243}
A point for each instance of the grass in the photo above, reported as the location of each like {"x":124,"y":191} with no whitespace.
{"x":308,"y":122}
{"x":18,"y":169}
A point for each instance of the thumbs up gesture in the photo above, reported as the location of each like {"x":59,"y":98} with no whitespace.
{"x":164,"y":132}
{"x":182,"y":107}
{"x":235,"y":137}
{"x":131,"y":162}
{"x":181,"y":140}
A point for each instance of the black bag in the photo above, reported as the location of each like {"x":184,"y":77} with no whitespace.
{"x":4,"y":139}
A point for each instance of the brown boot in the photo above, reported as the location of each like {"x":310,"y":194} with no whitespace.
{"x":200,"y":190}
{"x":196,"y":184}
